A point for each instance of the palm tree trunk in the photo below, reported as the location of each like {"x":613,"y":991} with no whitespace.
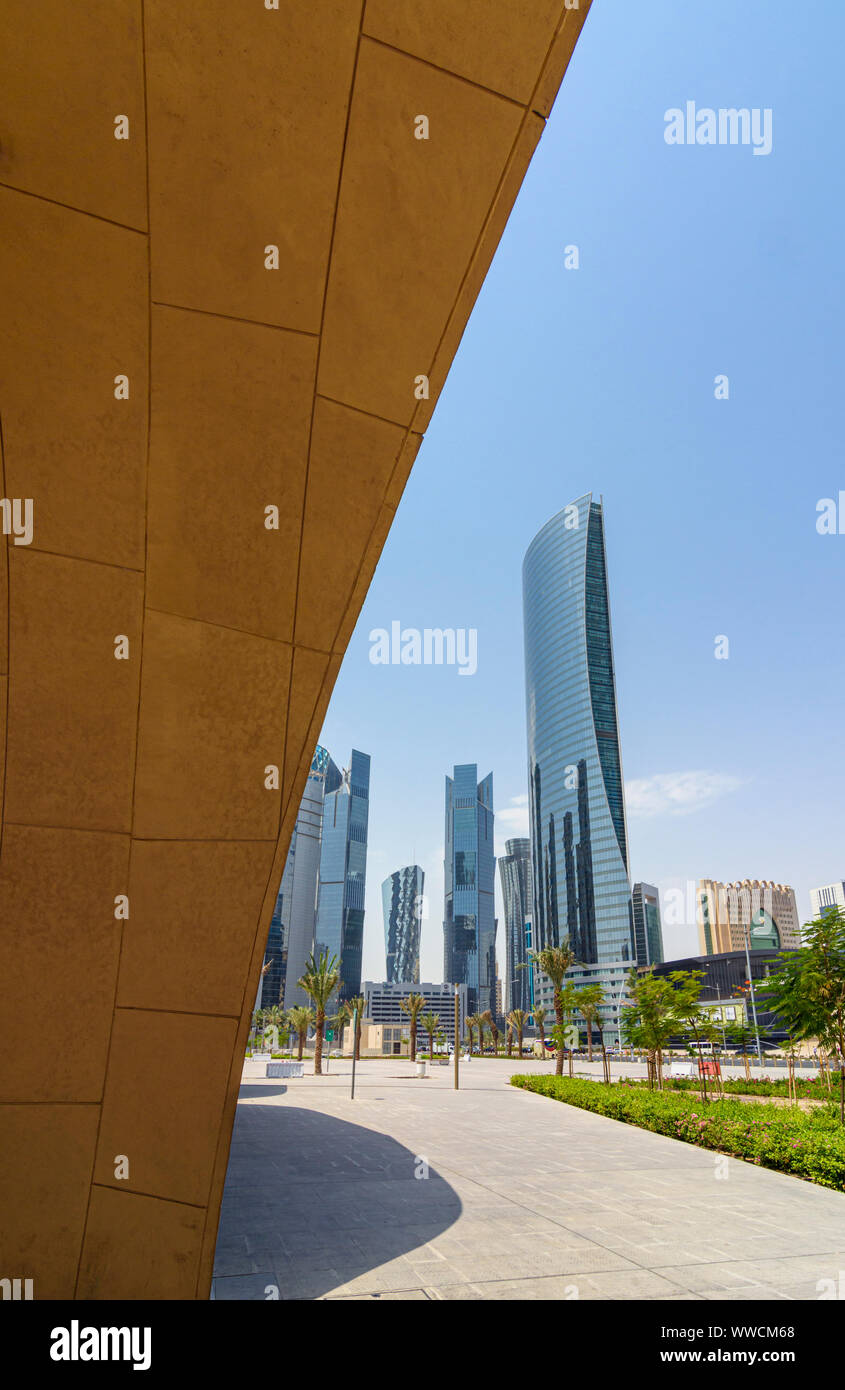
{"x":559,"y":1018}
{"x":318,"y":1043}
{"x":413,"y":1039}
{"x":301,"y":1045}
{"x":589,"y":1039}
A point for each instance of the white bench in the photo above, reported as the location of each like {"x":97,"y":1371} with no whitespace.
{"x":285,"y":1069}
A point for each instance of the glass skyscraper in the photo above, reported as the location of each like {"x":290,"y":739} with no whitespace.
{"x":578,"y":833}
{"x":343,"y":872}
{"x":648,"y":934}
{"x":518,"y":897}
{"x":291,"y":937}
{"x":401,"y":897}
{"x":469,"y":923}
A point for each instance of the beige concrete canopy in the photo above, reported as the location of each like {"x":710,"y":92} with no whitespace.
{"x":240,"y":245}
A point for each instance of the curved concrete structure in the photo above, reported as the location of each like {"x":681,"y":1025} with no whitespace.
{"x":228,"y":260}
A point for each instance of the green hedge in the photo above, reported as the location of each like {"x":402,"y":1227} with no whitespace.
{"x":807,"y":1088}
{"x":810,"y":1144}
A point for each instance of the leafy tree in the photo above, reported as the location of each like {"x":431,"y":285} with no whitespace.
{"x":430,"y":1022}
{"x":413,"y":1006}
{"x":742,"y":1036}
{"x":320,"y":981}
{"x":651,"y":1017}
{"x":300,"y":1019}
{"x":590,"y":1000}
{"x":807,"y":994}
{"x":693,"y":1015}
{"x":518,"y":1018}
{"x":554,"y":961}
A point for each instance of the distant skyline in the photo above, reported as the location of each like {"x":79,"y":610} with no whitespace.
{"x":695,"y":262}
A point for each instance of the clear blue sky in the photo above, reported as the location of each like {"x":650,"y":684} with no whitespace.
{"x":694,"y":262}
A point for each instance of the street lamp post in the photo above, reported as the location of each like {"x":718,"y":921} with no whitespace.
{"x":457,"y":1032}
{"x":751,"y":988}
{"x":354,"y":1039}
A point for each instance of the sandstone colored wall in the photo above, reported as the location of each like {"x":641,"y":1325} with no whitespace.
{"x":248,"y":127}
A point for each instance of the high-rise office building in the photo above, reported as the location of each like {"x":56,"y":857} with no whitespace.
{"x":401,"y":898}
{"x":579,"y":839}
{"x":469,"y":924}
{"x":291,"y":938}
{"x":648,"y":935}
{"x":343,"y":872}
{"x":831,"y":895}
{"x":759,"y":909}
{"x":518,"y":898}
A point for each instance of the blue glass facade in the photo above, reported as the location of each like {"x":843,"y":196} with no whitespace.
{"x":291,"y":938}
{"x":518,"y":898}
{"x":401,"y":897}
{"x":648,"y":934}
{"x":578,"y":833}
{"x":469,"y":923}
{"x":343,"y":872}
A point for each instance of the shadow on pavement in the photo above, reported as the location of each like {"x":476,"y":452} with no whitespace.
{"x":312,"y":1202}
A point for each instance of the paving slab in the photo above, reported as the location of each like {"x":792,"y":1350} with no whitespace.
{"x":415,"y":1191}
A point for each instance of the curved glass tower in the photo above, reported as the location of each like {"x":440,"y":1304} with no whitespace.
{"x":401,"y":897}
{"x":578,"y":833}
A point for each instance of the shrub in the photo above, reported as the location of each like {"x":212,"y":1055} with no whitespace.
{"x":810,"y":1144}
{"x":807,"y":1088}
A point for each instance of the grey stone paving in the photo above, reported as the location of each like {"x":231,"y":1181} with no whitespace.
{"x":525,"y":1198}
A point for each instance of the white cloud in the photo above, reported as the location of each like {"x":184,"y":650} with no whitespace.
{"x":677,"y":793}
{"x":512,"y":822}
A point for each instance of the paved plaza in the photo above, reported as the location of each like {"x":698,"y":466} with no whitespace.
{"x":415,"y":1191}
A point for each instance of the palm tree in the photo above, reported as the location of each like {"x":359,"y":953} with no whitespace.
{"x":590,"y":999}
{"x":413,"y":1006}
{"x":320,"y":981}
{"x":274,"y":1020}
{"x":554,"y":961}
{"x":517,"y":1018}
{"x":340,"y":1020}
{"x":300,"y":1019}
{"x":359,"y":1003}
{"x":257,"y":1025}
{"x":481,"y":1026}
{"x":469,"y":1024}
{"x":431,"y":1023}
{"x":540,"y":1016}
{"x":509,"y":1036}
{"x":568,"y":1008}
{"x":490,"y":1020}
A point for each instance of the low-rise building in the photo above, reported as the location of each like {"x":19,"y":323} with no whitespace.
{"x":384,"y":1004}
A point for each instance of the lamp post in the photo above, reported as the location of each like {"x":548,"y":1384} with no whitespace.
{"x":354,"y":1037}
{"x":457,"y":1032}
{"x":747,"y":935}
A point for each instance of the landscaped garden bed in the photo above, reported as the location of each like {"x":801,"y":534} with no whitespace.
{"x":807,"y":1143}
